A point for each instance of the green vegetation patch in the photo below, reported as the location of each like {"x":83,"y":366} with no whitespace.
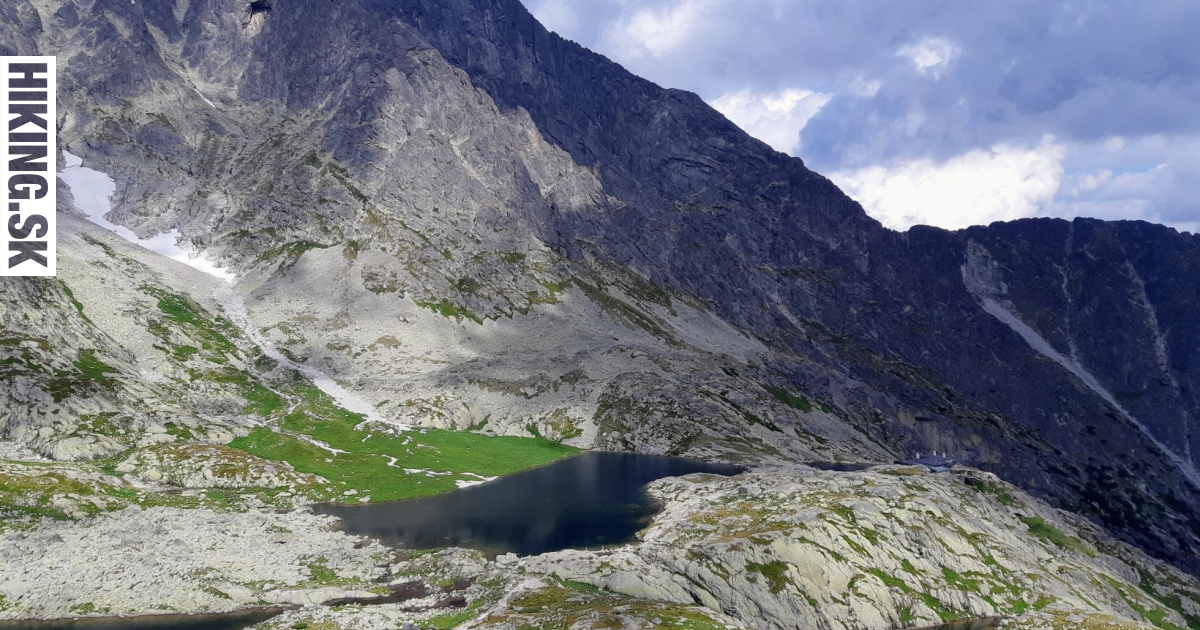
{"x":35,"y":492}
{"x":306,"y":435}
{"x":558,"y":607}
{"x":998,"y":490}
{"x":448,"y":309}
{"x":71,"y":296}
{"x":953,"y":578}
{"x":890,"y":581}
{"x":749,"y":416}
{"x":774,"y":572}
{"x":93,"y":369}
{"x":629,"y":314}
{"x":1150,"y":613}
{"x":1148,"y":585}
{"x":90,"y":374}
{"x":290,"y":253}
{"x":795,"y":402}
{"x":209,"y":336}
{"x":260,"y":400}
{"x":1049,"y":533}
{"x":938,"y":607}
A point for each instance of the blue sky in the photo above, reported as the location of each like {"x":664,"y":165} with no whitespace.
{"x":940,"y":112}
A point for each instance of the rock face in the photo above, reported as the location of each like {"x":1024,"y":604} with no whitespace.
{"x":209,"y":466}
{"x":180,"y":560}
{"x":473,"y":223}
{"x":891,"y":547}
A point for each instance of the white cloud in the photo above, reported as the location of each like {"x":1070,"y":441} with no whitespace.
{"x":1149,"y":178}
{"x":555,"y":15}
{"x":657,"y":31}
{"x":977,"y":187}
{"x":1104,"y":194}
{"x":775,"y":118}
{"x":864,"y":88}
{"x":931,"y":55}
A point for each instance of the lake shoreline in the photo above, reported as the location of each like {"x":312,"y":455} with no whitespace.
{"x":589,"y":500}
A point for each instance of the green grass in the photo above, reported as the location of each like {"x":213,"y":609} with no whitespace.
{"x":578,"y":586}
{"x":795,"y":402}
{"x":183,"y":315}
{"x":998,"y":490}
{"x":322,"y":575}
{"x":176,"y":306}
{"x":262,"y":401}
{"x":290,"y":252}
{"x":71,"y":296}
{"x":91,"y":373}
{"x":364,"y":467}
{"x":890,"y":581}
{"x":953,"y":578}
{"x":775,"y":573}
{"x":183,"y":353}
{"x":1049,"y":533}
{"x":1043,"y":601}
{"x":938,"y":607}
{"x":1174,"y":602}
{"x":93,"y":369}
{"x":453,"y":620}
{"x":449,"y":310}
{"x":750,"y":417}
{"x":1154,"y":615}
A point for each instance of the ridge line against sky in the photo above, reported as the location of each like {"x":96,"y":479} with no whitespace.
{"x":939,"y":112}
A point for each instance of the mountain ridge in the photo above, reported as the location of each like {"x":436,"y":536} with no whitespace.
{"x":460,"y":160}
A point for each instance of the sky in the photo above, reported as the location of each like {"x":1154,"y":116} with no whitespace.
{"x":940,"y":112}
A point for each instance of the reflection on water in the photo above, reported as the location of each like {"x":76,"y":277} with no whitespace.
{"x":839,"y":466}
{"x":221,"y":621}
{"x":589,"y":500}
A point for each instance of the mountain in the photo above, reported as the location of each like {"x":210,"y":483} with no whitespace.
{"x":463,"y":222}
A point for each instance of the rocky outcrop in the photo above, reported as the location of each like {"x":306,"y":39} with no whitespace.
{"x":777,"y":548}
{"x":887,"y":548}
{"x":209,"y":466}
{"x":794,"y":547}
{"x":161,"y":559}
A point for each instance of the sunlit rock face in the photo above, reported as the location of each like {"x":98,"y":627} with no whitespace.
{"x":471,"y":223}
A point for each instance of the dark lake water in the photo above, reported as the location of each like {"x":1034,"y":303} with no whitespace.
{"x":839,"y":466}
{"x":590,"y":500}
{"x":223,"y":621}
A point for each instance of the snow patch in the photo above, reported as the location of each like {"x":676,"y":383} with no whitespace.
{"x":93,"y":191}
{"x":210,"y":103}
{"x":425,"y":471}
{"x":467,"y":483}
{"x":321,"y":445}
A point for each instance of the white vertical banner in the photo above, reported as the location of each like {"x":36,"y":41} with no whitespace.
{"x":29,"y":155}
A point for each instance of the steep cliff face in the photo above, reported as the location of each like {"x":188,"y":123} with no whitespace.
{"x":803,"y":266}
{"x":476,"y":224}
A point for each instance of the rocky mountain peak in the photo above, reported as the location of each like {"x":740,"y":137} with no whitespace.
{"x":474,"y":224}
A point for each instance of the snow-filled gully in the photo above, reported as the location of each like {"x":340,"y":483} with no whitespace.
{"x":93,"y":192}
